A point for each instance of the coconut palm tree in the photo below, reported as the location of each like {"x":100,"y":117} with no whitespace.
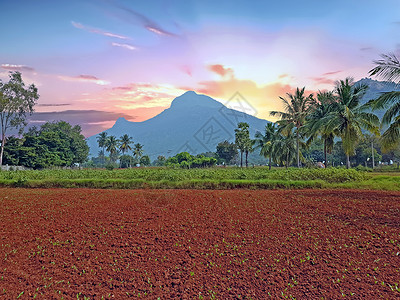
{"x":242,"y":140}
{"x":284,"y":147}
{"x":138,"y":151}
{"x":348,"y":116}
{"x":389,"y":69}
{"x":102,"y":140}
{"x":296,"y":108}
{"x":265,"y":142}
{"x":125,"y":143}
{"x":112,"y":147}
{"x":316,"y":122}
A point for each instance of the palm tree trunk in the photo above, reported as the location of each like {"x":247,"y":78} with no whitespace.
{"x":373,"y":158}
{"x":347,"y":161}
{"x":269,"y":163}
{"x":241,"y":158}
{"x":3,"y":142}
{"x":298,"y":149}
{"x":246,"y":155}
{"x":287,"y":159}
{"x":326,"y":161}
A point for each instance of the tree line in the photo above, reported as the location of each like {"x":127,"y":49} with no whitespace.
{"x":334,"y":117}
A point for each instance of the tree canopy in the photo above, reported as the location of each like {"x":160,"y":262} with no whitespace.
{"x":16,"y":100}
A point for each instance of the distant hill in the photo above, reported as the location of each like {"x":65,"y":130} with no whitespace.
{"x":194,"y":123}
{"x":197,"y":123}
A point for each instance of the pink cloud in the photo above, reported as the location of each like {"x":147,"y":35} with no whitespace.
{"x":17,"y":67}
{"x":84,"y":78}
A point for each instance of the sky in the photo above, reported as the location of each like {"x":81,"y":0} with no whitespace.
{"x":96,"y":60}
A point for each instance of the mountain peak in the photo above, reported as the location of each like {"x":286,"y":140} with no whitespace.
{"x":192,"y":99}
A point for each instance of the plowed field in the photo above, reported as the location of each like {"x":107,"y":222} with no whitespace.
{"x":172,"y":244}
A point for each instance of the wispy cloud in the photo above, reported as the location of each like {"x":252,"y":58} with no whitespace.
{"x":323,"y":80}
{"x":17,"y":67}
{"x":51,"y":105}
{"x":144,"y":21}
{"x":99,"y":31}
{"x":84,"y":78}
{"x":331,"y":73}
{"x":126,"y":46}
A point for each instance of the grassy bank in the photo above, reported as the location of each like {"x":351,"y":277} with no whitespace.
{"x":215,"y":178}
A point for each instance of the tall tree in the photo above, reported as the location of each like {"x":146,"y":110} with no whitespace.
{"x":102,"y":142}
{"x":138,"y":151}
{"x":16,"y":100}
{"x":226,"y":151}
{"x":266,"y":142}
{"x":389,"y":69}
{"x":284,"y":147}
{"x":242,"y":140}
{"x":112,"y":147}
{"x":125,"y":143}
{"x":296,"y":108}
{"x":316,"y":122}
{"x":348,"y":116}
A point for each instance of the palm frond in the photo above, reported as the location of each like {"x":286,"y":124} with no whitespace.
{"x":388,"y":67}
{"x":391,"y":137}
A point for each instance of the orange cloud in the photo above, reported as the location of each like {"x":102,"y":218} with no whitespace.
{"x":220,"y":70}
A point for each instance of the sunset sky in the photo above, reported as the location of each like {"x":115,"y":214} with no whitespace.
{"x":96,"y":60}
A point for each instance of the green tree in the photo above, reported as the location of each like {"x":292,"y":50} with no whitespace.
{"x":160,"y":161}
{"x":226,"y":151}
{"x":266,"y":142}
{"x":138,"y":151}
{"x":296,"y":107}
{"x":125,"y":143}
{"x":242,"y":140}
{"x":316,"y":122}
{"x":389,"y":69}
{"x":125,"y":161}
{"x":284,"y":147}
{"x":112,"y":147}
{"x":145,"y":160}
{"x":16,"y":100}
{"x":54,"y":144}
{"x":348,"y":116}
{"x":102,"y":141}
{"x":73,"y":136}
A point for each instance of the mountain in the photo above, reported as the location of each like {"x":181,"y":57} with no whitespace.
{"x":194,"y":123}
{"x":376,"y":88}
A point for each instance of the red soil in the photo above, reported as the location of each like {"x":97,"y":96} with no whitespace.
{"x":190,"y":244}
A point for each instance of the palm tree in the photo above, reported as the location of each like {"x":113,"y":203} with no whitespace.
{"x":112,"y":147}
{"x":242,"y":140}
{"x":284,"y":147}
{"x":125,"y":142}
{"x":348,"y":116}
{"x":316,"y":122}
{"x":389,"y":69}
{"x":102,"y":140}
{"x":296,"y":108}
{"x":138,"y":151}
{"x":265,"y":142}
